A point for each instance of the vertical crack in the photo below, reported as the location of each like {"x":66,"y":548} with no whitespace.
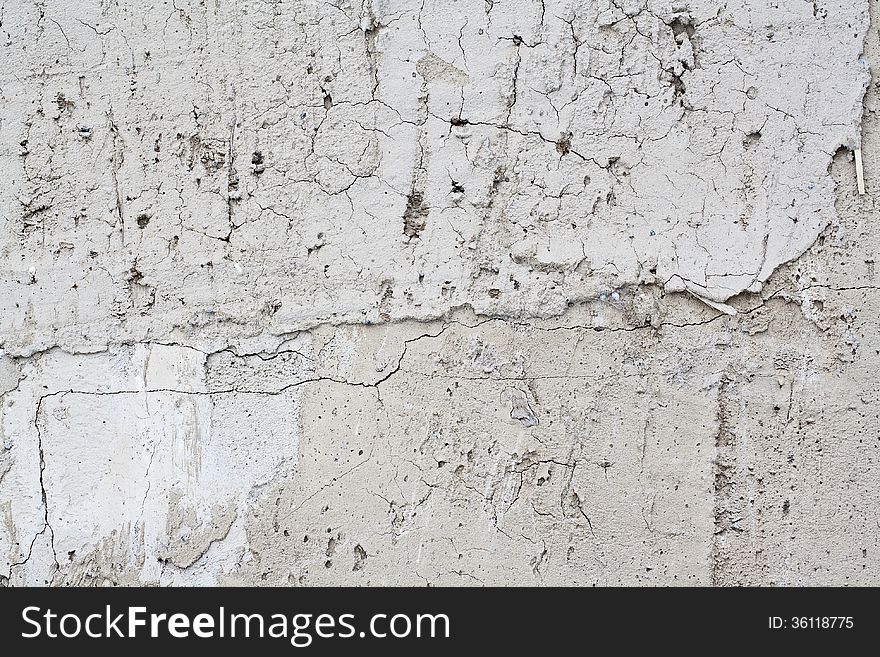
{"x":723,"y":480}
{"x":45,"y":501}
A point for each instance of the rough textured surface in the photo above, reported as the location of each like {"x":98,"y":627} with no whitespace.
{"x":452,"y":293}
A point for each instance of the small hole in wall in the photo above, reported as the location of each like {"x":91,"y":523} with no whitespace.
{"x":680,"y":26}
{"x":257,"y":163}
{"x":563,"y":144}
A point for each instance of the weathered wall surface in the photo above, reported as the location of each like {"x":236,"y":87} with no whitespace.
{"x":473,"y":292}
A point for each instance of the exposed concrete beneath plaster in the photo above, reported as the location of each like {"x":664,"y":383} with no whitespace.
{"x":476,"y":377}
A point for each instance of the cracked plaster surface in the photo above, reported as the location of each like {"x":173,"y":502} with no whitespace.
{"x":450,"y":293}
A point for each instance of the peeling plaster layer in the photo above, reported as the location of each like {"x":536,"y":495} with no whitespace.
{"x":201,"y":173}
{"x":390,"y":293}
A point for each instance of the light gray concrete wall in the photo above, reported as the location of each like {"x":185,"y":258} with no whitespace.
{"x":459,"y":293}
